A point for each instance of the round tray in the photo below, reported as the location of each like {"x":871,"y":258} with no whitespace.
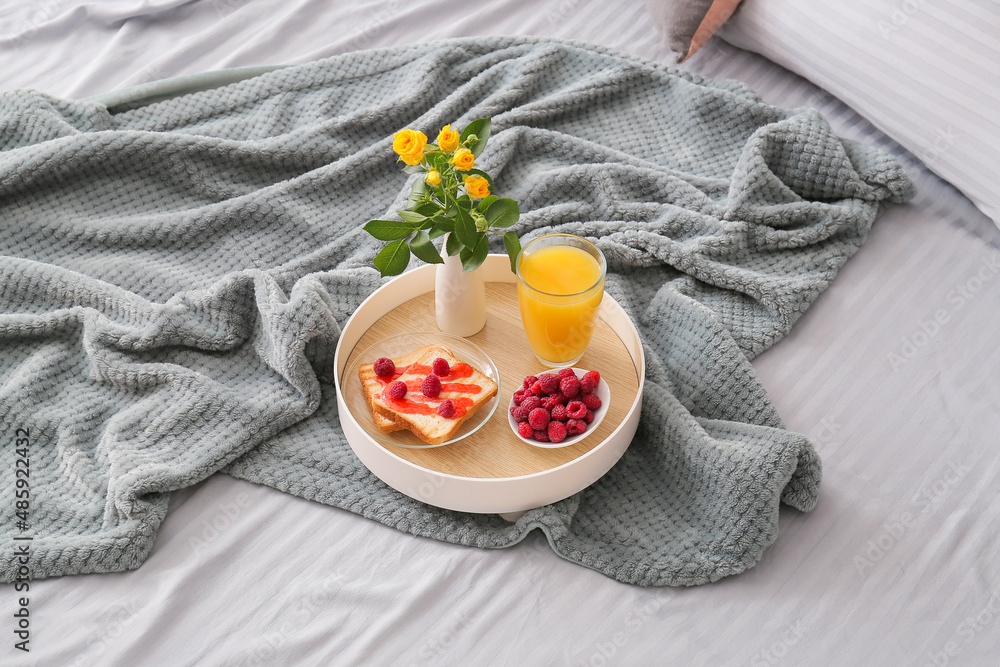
{"x":493,"y":471}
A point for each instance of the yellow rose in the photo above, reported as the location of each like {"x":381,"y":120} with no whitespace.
{"x":433,"y":177}
{"x":477,"y":187}
{"x":463,"y":159}
{"x":409,"y":144}
{"x":447,"y":139}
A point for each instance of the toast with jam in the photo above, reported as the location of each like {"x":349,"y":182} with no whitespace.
{"x":412,"y":396}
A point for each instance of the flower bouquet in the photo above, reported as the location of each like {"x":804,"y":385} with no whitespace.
{"x":453,"y":197}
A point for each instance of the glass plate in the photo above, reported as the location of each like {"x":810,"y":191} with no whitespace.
{"x":397,"y":346}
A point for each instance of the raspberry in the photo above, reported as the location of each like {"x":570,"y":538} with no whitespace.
{"x":560,"y":398}
{"x":536,"y":389}
{"x":566,"y":373}
{"x":550,"y":383}
{"x":447,"y":409}
{"x":592,"y":401}
{"x":541,"y":436}
{"x":431,"y":386}
{"x":384,"y":367}
{"x":550,"y":402}
{"x":569,"y":386}
{"x":576,"y":426}
{"x":588,"y":383}
{"x":576,"y":410}
{"x":531,"y":402}
{"x":539,"y":418}
{"x":596,"y":376}
{"x":519,"y":413}
{"x":518,"y":396}
{"x":559,"y":413}
{"x":440,"y":367}
{"x":590,"y":417}
{"x":528,"y":381}
{"x":556,"y":431}
{"x":525,"y":431}
{"x":396,"y":390}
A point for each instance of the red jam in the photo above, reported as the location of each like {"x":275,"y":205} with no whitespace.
{"x":415,"y":403}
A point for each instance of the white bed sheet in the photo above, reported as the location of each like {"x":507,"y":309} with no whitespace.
{"x":895,"y":372}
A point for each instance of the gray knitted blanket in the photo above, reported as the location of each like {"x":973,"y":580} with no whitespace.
{"x":174,"y":276}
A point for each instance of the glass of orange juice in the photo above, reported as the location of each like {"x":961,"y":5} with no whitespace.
{"x":560,"y":284}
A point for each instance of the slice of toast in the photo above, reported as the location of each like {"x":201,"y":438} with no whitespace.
{"x":373,"y":386}
{"x":467,"y":387}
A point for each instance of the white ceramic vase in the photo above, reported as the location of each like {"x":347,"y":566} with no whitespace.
{"x":459,"y":296}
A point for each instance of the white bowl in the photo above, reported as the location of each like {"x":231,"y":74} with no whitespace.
{"x":603,"y":392}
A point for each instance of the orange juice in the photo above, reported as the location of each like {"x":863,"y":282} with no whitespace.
{"x":559,"y":290}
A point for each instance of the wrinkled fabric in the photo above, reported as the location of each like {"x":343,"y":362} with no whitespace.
{"x":174,"y":277}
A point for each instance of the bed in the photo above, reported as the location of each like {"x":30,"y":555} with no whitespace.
{"x":894,"y":374}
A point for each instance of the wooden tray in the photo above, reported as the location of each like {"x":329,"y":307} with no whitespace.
{"x":492,"y":471}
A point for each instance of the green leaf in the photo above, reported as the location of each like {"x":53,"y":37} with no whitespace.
{"x":413,"y":169}
{"x":513,"y":247}
{"x":465,"y":228}
{"x":503,"y":213}
{"x":417,"y":191}
{"x":437,"y":161}
{"x":465,"y":201}
{"x":473,"y":257}
{"x":486,"y":202}
{"x":453,"y":246}
{"x":412,"y":217}
{"x":388,"y":230}
{"x":480,"y":128}
{"x":427,"y":208}
{"x":441,"y":225}
{"x":393,"y":259}
{"x":422,"y":247}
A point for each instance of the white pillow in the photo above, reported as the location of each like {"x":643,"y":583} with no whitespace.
{"x":926,"y":73}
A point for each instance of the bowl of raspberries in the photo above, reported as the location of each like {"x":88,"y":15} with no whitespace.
{"x":558,"y":408}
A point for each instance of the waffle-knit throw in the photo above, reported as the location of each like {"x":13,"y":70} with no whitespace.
{"x":173,"y":279}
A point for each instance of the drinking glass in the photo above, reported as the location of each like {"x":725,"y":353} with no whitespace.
{"x":560,"y":284}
